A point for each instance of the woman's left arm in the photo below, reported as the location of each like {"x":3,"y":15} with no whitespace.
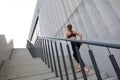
{"x":79,"y":34}
{"x":66,"y":35}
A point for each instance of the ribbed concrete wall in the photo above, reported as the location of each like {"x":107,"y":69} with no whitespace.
{"x":94,"y":19}
{"x":97,"y":20}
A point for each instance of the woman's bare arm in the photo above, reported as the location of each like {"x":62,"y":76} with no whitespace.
{"x":79,"y":34}
{"x":66,"y":35}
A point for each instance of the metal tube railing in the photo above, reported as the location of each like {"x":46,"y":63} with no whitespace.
{"x":41,"y":49}
{"x":95,"y":65}
{"x":58,"y":59}
{"x":44,"y":56}
{"x":48,"y":53}
{"x":80,"y":62}
{"x":110,"y":45}
{"x":54,"y":61}
{"x":51,"y":63}
{"x":71,"y":62}
{"x":64,"y":62}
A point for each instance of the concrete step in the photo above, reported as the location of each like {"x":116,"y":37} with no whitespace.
{"x":11,"y":63}
{"x":91,"y":72}
{"x":93,"y":77}
{"x":67,"y":63}
{"x":44,"y":76}
{"x":79,"y":77}
{"x":20,"y":54}
{"x":29,"y":69}
{"x":112,"y":78}
{"x":21,"y":65}
{"x":51,"y":76}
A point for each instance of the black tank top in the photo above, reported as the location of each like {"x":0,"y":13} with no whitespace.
{"x":71,"y":35}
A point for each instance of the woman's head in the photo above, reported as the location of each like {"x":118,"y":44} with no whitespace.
{"x":69,"y":27}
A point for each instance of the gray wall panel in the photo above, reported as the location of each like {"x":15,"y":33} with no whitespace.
{"x":97,"y":20}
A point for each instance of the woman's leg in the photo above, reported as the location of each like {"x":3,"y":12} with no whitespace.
{"x":75,"y":55}
{"x":86,"y":69}
{"x":74,"y":51}
{"x":76,"y":58}
{"x":78,"y":45}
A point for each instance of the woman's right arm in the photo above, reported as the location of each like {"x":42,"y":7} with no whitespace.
{"x":66,"y":35}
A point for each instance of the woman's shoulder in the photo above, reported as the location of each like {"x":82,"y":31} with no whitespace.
{"x":75,"y":32}
{"x":66,"y":33}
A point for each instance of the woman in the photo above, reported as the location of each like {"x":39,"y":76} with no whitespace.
{"x":72,"y":35}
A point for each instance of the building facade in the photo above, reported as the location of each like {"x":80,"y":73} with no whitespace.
{"x":97,"y":20}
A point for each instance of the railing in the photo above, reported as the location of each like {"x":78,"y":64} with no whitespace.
{"x":47,"y":54}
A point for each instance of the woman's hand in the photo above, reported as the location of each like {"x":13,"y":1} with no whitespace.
{"x":81,"y":44}
{"x":79,"y":34}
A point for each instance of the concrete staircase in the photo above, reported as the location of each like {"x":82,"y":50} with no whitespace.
{"x":22,"y":66}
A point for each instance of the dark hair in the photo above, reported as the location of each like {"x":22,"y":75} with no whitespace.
{"x":69,"y":26}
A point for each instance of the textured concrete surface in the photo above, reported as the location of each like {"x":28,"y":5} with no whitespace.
{"x":10,"y":47}
{"x":5,"y":48}
{"x":22,"y":66}
{"x":97,"y":20}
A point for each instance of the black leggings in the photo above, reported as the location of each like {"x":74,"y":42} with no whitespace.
{"x":75,"y":53}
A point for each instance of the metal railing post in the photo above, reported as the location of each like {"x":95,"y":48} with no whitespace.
{"x":38,"y":48}
{"x":97,"y":72}
{"x":114,"y":64}
{"x":56,"y":73}
{"x":64,"y":62}
{"x":58,"y":59}
{"x":51,"y":64}
{"x":80,"y":62}
{"x":47,"y":56}
{"x":42,"y":56}
{"x":44,"y":51}
{"x":71,"y":62}
{"x":40,"y":45}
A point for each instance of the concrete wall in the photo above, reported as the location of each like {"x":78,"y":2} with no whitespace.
{"x":5,"y":49}
{"x":10,"y":47}
{"x":94,"y":19}
{"x":97,"y":20}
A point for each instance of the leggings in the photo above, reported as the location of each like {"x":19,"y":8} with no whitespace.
{"x":75,"y":53}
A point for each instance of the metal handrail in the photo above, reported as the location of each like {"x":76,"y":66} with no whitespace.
{"x":103,"y":44}
{"x":47,"y":50}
